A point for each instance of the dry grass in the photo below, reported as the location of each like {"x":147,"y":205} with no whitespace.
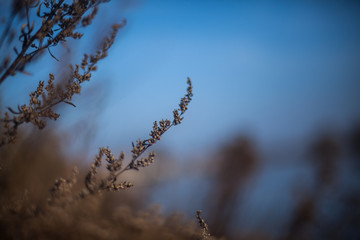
{"x":30,"y":162}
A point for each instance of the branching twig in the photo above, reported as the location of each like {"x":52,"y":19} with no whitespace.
{"x":61,"y":15}
{"x":38,"y":109}
{"x":115,"y":164}
{"x":205,"y":235}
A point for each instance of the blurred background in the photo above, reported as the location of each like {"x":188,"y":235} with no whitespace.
{"x":270,"y":145}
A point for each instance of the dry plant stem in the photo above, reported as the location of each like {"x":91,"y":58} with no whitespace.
{"x":205,"y":229}
{"x":130,"y":165}
{"x":133,"y":160}
{"x":11,"y":69}
{"x":157,"y":135}
{"x":52,"y":19}
{"x":39,"y":109}
{"x":114,"y":165}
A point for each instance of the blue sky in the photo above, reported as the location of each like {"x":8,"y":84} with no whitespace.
{"x":270,"y":69}
{"x":274,"y":70}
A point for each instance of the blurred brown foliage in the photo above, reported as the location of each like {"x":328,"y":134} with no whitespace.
{"x":236,"y":163}
{"x":28,"y":171}
{"x":328,"y":207}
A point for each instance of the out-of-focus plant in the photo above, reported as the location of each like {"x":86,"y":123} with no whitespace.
{"x":237,"y":162}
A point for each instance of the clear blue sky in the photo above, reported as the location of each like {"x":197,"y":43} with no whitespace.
{"x":271,"y":69}
{"x":275,"y":70}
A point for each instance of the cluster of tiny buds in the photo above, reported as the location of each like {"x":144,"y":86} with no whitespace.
{"x":188,"y":97}
{"x":113,"y":187}
{"x":114,"y":165}
{"x":183,"y":106}
{"x":62,"y":187}
{"x":138,"y":148}
{"x":164,"y":125}
{"x":155,"y":134}
{"x":201,"y":220}
{"x":159,"y":130}
{"x":143,"y":162}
